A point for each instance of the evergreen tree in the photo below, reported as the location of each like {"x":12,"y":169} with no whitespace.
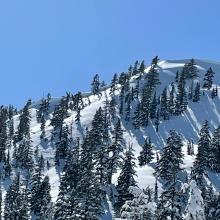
{"x":96,"y":85}
{"x":168,"y":168}
{"x":137,"y":117}
{"x":181,"y":99}
{"x":214,"y":151}
{"x":146,"y":155}
{"x":24,"y":154}
{"x":114,"y":83}
{"x":154,"y":61}
{"x":171,"y":158}
{"x":153,"y":107}
{"x":197,"y":93}
{"x":16,"y":201}
{"x":190,"y":70}
{"x":201,"y":161}
{"x":171,"y":101}
{"x":24,"y":122}
{"x":157,"y":120}
{"x":115,"y":150}
{"x":63,"y":144}
{"x":7,"y":166}
{"x":164,"y":111}
{"x":208,"y":79}
{"x":126,"y":178}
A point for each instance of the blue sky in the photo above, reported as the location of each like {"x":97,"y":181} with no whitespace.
{"x":57,"y":46}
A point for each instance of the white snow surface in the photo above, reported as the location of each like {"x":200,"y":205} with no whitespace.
{"x":188,"y":124}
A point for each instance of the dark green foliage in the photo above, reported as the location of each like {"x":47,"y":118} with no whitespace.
{"x":208,"y":79}
{"x":146,"y":155}
{"x":96,"y":85}
{"x":16,"y":201}
{"x":164,"y":108}
{"x":181,"y":98}
{"x":190,"y":70}
{"x":171,"y":157}
{"x":126,"y":178}
{"x":197,"y":93}
{"x":204,"y":144}
{"x":24,"y":122}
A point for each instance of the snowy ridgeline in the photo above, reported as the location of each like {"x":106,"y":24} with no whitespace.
{"x":142,"y":203}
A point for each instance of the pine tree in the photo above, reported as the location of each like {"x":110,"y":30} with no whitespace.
{"x":63,"y":144}
{"x":214,"y":151}
{"x":164,"y":111}
{"x":208,"y":79}
{"x":115,"y":150}
{"x":16,"y":201}
{"x":126,"y":178}
{"x":177,"y":77}
{"x":96,"y":85}
{"x":191,"y":90}
{"x":137,"y":117}
{"x":7,"y":166}
{"x":197,"y":93}
{"x":168,"y":168}
{"x":201,"y":161}
{"x":145,"y":104}
{"x":114,"y":83}
{"x":171,"y":158}
{"x":181,"y":99}
{"x":155,"y":61}
{"x":171,"y":101}
{"x":35,"y":200}
{"x":45,"y":199}
{"x":3,"y":135}
{"x":112,"y":108}
{"x":146,"y":155}
{"x":153,"y":107}
{"x":24,"y":122}
{"x":24,"y":154}
{"x":153,"y":77}
{"x":190,"y":70}
{"x":142,"y":67}
{"x":157,"y":120}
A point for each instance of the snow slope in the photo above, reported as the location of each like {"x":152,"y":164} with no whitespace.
{"x":188,"y":124}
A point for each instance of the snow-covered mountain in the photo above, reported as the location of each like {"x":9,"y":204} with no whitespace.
{"x":188,"y":124}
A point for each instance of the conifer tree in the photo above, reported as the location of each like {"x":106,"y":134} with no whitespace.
{"x":171,"y":101}
{"x":201,"y":161}
{"x":153,"y":107}
{"x":24,"y":122}
{"x":190,"y":70}
{"x":146,"y":155}
{"x":126,"y":178}
{"x":181,"y":99}
{"x":24,"y":154}
{"x":171,"y":158}
{"x":63,"y":144}
{"x":208,"y":79}
{"x":114,"y":83}
{"x":157,"y":120}
{"x":16,"y":201}
{"x":164,"y":110}
{"x":168,"y":168}
{"x":197,"y":93}
{"x":137,"y":117}
{"x":96,"y":85}
{"x":115,"y":150}
{"x":214,"y":151}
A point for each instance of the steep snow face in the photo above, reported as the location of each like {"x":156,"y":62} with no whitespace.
{"x":188,"y":124}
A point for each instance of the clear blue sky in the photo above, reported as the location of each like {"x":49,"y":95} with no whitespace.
{"x":57,"y":46}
